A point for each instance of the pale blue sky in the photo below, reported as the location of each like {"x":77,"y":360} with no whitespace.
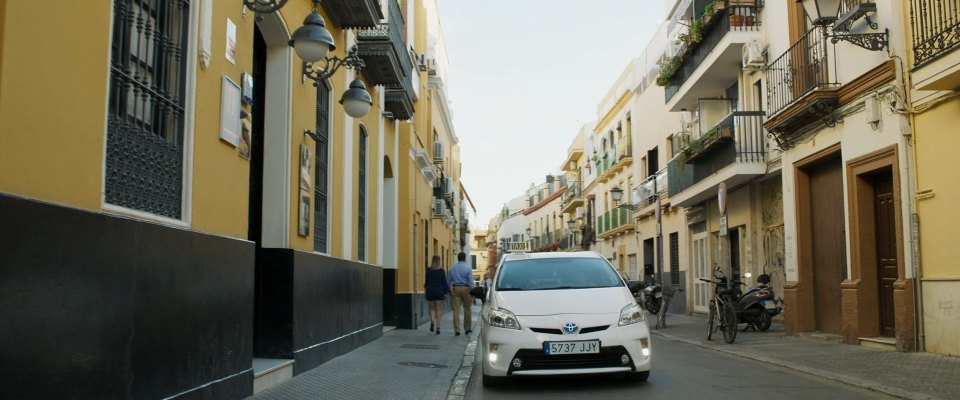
{"x":524,"y":74}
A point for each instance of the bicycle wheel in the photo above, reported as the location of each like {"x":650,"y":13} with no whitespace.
{"x":729,"y":316}
{"x":711,"y":320}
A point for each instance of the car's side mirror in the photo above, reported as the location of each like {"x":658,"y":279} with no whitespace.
{"x":635,"y":286}
{"x":477,"y":291}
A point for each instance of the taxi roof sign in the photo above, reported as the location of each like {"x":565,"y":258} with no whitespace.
{"x":518,"y":247}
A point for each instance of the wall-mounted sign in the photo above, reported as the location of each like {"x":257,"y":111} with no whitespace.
{"x":231,"y":42}
{"x":230,"y":112}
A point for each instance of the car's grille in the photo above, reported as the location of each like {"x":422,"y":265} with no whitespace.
{"x":554,"y":331}
{"x":535,"y":359}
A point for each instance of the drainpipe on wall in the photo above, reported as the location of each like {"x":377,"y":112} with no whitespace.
{"x":913,"y":177}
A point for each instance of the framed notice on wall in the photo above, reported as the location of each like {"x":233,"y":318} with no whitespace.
{"x":230,"y":112}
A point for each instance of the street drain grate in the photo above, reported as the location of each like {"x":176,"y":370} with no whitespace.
{"x":421,"y":364}
{"x":420,"y":346}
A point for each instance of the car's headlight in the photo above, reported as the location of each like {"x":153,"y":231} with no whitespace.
{"x":501,"y":318}
{"x":631,"y":314}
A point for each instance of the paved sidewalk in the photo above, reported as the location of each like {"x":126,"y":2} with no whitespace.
{"x":905,"y":375}
{"x":403,"y":364}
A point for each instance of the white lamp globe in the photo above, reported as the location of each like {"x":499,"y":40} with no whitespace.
{"x":356,"y":101}
{"x":312,"y":41}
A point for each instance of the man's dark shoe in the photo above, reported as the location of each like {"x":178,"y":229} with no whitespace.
{"x":431,"y":325}
{"x":456,"y":334}
{"x":469,"y":331}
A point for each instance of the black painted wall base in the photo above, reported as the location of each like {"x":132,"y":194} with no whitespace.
{"x":313,"y":308}
{"x":413,"y":310}
{"x":95,"y":306}
{"x":390,"y":315}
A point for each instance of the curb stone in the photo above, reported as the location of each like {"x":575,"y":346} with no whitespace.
{"x":858,"y":382}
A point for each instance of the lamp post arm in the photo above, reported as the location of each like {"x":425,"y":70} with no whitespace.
{"x":323,"y":69}
{"x":869,"y":41}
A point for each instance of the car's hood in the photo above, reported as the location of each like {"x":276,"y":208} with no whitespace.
{"x":568,"y":301}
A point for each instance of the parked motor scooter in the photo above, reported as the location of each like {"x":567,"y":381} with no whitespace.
{"x":648,"y":297}
{"x":756,"y":306}
{"x":653,"y":297}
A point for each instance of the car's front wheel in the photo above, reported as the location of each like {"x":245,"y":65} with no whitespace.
{"x":638,"y":376}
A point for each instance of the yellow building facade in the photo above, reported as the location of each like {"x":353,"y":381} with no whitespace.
{"x":193,"y":126}
{"x":932,"y":84}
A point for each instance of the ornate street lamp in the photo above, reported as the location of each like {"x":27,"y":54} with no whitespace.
{"x":571,"y":224}
{"x":821,"y":12}
{"x":529,"y":231}
{"x":825,"y":13}
{"x":313,"y":42}
{"x":617,"y":194}
{"x":264,"y":6}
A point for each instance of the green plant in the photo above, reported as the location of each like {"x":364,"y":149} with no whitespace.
{"x":696,"y":31}
{"x":709,"y":10}
{"x":668,"y":68}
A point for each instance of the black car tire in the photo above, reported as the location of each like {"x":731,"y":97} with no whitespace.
{"x":638,"y":376}
{"x":492,"y":381}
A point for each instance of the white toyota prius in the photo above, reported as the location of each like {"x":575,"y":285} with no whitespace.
{"x":561,"y":313}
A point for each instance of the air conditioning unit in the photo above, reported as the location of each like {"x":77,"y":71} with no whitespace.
{"x":429,"y":172}
{"x":438,"y":206}
{"x":422,"y":158}
{"x":753,"y":55}
{"x":437,"y":151}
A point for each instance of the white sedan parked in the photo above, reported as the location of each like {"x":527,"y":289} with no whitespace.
{"x":561,"y":313}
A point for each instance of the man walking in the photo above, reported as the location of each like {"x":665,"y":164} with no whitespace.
{"x":461,"y":281}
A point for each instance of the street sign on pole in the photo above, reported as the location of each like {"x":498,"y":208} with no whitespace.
{"x":723,"y":224}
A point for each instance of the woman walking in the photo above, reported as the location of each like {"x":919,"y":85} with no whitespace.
{"x":436,"y":289}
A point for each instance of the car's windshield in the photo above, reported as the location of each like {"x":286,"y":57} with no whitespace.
{"x":557,"y":273}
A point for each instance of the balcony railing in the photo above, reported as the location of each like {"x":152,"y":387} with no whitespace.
{"x":572,"y":195}
{"x":743,"y":128}
{"x":547,"y":241}
{"x":646,"y":192}
{"x":398,"y":99}
{"x":936,"y":24}
{"x":613,"y":219}
{"x":803,"y":68}
{"x":384,"y":51}
{"x":352,"y":13}
{"x":730,"y":19}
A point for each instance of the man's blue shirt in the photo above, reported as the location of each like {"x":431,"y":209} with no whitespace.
{"x":460,"y":274}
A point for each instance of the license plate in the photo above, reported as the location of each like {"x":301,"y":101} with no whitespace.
{"x":658,"y":295}
{"x":574,"y":347}
{"x":768,"y":304}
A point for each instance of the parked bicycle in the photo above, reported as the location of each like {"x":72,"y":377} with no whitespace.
{"x":662,"y":314}
{"x":723,"y":308}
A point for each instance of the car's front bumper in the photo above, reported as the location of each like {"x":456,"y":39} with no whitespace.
{"x":520,"y":352}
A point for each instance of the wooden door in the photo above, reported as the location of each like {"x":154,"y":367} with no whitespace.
{"x":886,"y":250}
{"x":828,"y":244}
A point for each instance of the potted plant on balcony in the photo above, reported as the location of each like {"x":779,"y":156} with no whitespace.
{"x":698,"y":148}
{"x":668,"y":68}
